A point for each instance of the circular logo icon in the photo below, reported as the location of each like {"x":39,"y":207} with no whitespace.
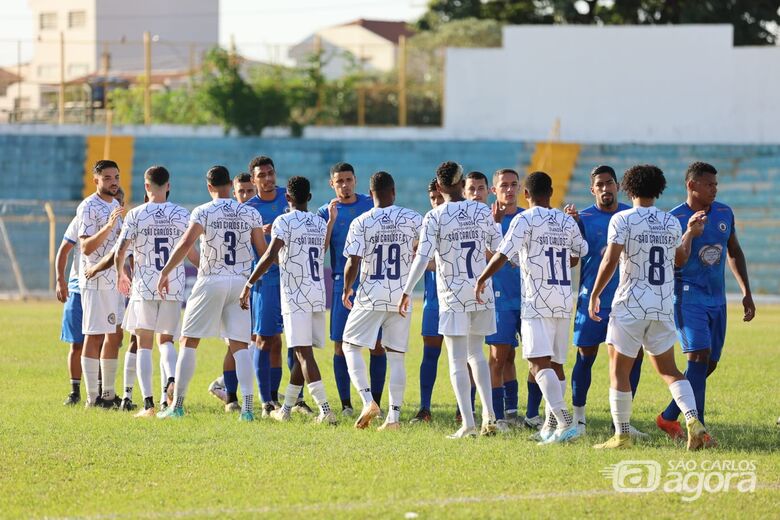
{"x":722,"y":226}
{"x":112,"y":318}
{"x":710,"y":254}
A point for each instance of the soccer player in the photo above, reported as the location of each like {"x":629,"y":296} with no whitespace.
{"x":381,"y":244}
{"x":430,"y":328}
{"x":459,"y":233}
{"x":588,"y":334}
{"x":299,"y":240}
{"x":69,"y":294}
{"x":547,"y":243}
{"x":646,"y":242}
{"x":700,"y":291}
{"x":347,"y":206}
{"x":100,"y":219}
{"x":230,"y":230}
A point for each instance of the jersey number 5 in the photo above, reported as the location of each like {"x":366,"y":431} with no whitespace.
{"x":162,"y":251}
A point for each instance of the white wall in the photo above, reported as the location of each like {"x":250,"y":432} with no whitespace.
{"x":675,"y":84}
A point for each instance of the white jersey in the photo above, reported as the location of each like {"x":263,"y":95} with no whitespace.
{"x":384,"y":238}
{"x":301,"y":261}
{"x":459,"y":234}
{"x":649,"y":238}
{"x":72,"y":236}
{"x":226,"y":245}
{"x":542,"y":241}
{"x":92,"y":214}
{"x":153,"y":230}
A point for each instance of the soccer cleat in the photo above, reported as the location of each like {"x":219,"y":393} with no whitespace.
{"x":327,"y":418}
{"x":672,"y":428}
{"x":215,"y":388}
{"x":279,"y":415}
{"x":541,"y":435}
{"x":348,"y":411}
{"x":533,"y":423}
{"x":148,"y":412}
{"x":302,"y":408}
{"x":561,"y":435}
{"x":389,"y":426}
{"x":696,"y":433}
{"x":422,"y":416}
{"x":580,"y":428}
{"x":636,"y":434}
{"x":109,"y":404}
{"x":489,"y":428}
{"x":164,"y":406}
{"x":367,"y":415}
{"x":171,"y":412}
{"x":127,"y":405}
{"x":617,"y":441}
{"x":246,"y":417}
{"x":502,"y":426}
{"x":709,"y":441}
{"x":73,"y":399}
{"x":232,"y":406}
{"x":267,"y":409}
{"x":463,"y":433}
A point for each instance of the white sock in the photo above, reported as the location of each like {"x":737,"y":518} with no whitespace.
{"x":396,"y":386}
{"x":246,"y":379}
{"x":551,"y":390}
{"x":144,"y":362}
{"x":317,"y":391}
{"x":563,"y":389}
{"x":168,"y":358}
{"x":251,"y":349}
{"x":185,"y":369}
{"x":163,"y":380}
{"x":683,"y":395}
{"x":108,"y":371}
{"x":291,"y":397}
{"x":90,"y":367}
{"x":357,"y":371}
{"x":620,"y":406}
{"x":129,"y":373}
{"x":481,"y":374}
{"x":579,"y":414}
{"x":457,"y":351}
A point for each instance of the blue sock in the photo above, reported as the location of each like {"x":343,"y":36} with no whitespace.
{"x":262,"y":364}
{"x":291,"y":364}
{"x":636,"y":372}
{"x":342,"y":378}
{"x":534,"y":399}
{"x":428,"y":368}
{"x":231,"y":381}
{"x":498,"y":402}
{"x":510,"y":395}
{"x":377,"y":371}
{"x":276,"y":380}
{"x":580,"y":378}
{"x":473,"y":397}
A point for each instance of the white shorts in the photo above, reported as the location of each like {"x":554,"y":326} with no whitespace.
{"x":628,"y":335}
{"x":544,"y":337}
{"x":479,"y":323}
{"x":103,"y":311}
{"x":159,"y":316}
{"x":304,"y":329}
{"x":363,"y":326}
{"x":213,"y":310}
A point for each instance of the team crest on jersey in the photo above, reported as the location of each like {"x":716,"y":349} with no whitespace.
{"x":310,"y":225}
{"x":464,"y":218}
{"x":228,"y":211}
{"x":710,"y":254}
{"x":722,"y":226}
{"x":160,"y":217}
{"x":111,"y":319}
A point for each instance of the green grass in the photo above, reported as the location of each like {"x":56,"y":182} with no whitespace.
{"x":59,"y":462}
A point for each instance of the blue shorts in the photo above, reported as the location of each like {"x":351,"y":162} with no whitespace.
{"x":507,"y":329}
{"x":587,"y":332}
{"x":339,"y":313}
{"x":267,"y":311}
{"x":700,"y":328}
{"x":430,"y":321}
{"x":71,"y":320}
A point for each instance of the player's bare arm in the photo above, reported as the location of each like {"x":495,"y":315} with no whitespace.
{"x":61,"y":260}
{"x":194,"y":230}
{"x":350,"y":275}
{"x":258,"y":241}
{"x":495,"y":263}
{"x":571,"y":210}
{"x":270,"y":256}
{"x":606,"y":269}
{"x":104,"y":263}
{"x":332,"y":214}
{"x":738,"y":266}
{"x":694,"y":229}
{"x":90,"y":243}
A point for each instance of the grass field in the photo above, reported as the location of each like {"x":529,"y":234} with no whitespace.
{"x":59,"y":462}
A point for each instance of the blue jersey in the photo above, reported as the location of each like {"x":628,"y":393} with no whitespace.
{"x":269,"y":210}
{"x":701,"y":281}
{"x":431,"y":298}
{"x":346,"y":214}
{"x":593,"y":226}
{"x":507,"y":281}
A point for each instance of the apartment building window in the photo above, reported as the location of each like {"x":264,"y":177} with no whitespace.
{"x":78,"y":69}
{"x":77,"y":19}
{"x":48,"y":71}
{"x":47,"y":21}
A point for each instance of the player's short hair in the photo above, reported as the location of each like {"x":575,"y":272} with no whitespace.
{"x":218,"y":176}
{"x":242,"y":177}
{"x":477,"y":176}
{"x":643,"y":181}
{"x":697,"y":169}
{"x":261,"y":160}
{"x":502,"y":171}
{"x":341,"y":167}
{"x":381,"y":182}
{"x":157,"y":175}
{"x":103,"y":164}
{"x":600,"y":170}
{"x":538,"y":184}
{"x":449,"y":173}
{"x":299,"y":189}
{"x":433,"y":186}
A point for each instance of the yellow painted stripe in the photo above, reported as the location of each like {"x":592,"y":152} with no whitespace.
{"x":119,"y":150}
{"x":557,"y":160}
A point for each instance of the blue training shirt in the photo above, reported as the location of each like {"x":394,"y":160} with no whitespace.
{"x":702,"y":281}
{"x":269,"y":210}
{"x":346,"y":214}
{"x":507,"y":281}
{"x":594,"y":224}
{"x":431,"y":297}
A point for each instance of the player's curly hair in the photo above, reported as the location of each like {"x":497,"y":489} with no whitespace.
{"x":260,"y":160}
{"x":538,"y":185}
{"x":433,"y":186}
{"x":218,"y":176}
{"x":299,"y":189}
{"x":643,"y":181}
{"x":381,"y":182}
{"x":697,"y":169}
{"x":449,"y":173}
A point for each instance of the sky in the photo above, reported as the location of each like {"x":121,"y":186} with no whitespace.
{"x":259,"y":26}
